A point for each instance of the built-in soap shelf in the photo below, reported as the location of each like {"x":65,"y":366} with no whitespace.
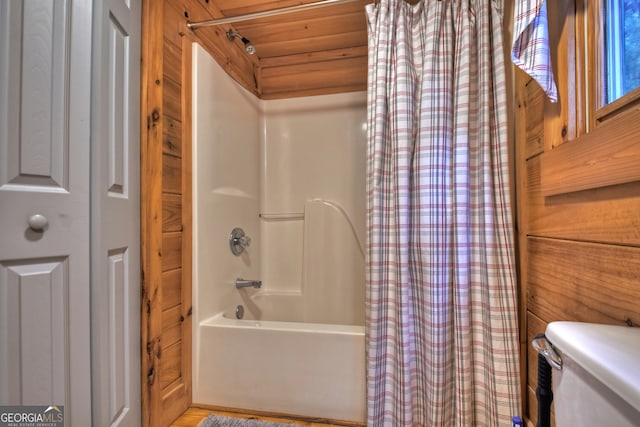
{"x":282,"y":216}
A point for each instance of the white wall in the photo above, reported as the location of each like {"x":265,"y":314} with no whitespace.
{"x":313,"y":148}
{"x":226,"y":164}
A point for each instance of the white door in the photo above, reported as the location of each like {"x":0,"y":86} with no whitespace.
{"x":45,"y":87}
{"x":69,"y":208}
{"x":115,"y":214}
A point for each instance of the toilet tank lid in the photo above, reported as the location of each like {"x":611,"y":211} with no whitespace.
{"x":609,"y":353}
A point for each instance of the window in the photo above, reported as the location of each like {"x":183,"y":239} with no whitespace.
{"x":622,"y":47}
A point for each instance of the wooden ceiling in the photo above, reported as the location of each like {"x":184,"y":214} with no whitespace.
{"x":304,"y":53}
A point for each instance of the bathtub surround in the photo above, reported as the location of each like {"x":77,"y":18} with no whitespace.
{"x":295,"y":368}
{"x":290,"y":173}
{"x":441,"y":302}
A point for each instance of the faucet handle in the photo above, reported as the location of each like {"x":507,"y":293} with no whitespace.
{"x":238,"y":241}
{"x":244,"y":241}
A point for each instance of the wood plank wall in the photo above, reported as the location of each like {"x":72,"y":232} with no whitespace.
{"x":579,"y":234}
{"x":166,"y":303}
{"x":166,"y":198}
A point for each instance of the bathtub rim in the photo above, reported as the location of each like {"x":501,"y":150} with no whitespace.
{"x":223,"y":316}
{"x":273,"y":325}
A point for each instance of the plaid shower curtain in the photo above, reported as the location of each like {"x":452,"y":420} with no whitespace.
{"x":442,"y":338}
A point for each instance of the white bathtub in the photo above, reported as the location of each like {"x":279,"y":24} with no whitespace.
{"x":284,"y":364}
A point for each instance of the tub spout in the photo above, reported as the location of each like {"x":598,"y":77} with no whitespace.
{"x":243,"y":283}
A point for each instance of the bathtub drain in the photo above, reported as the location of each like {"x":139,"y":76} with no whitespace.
{"x":239,"y":312}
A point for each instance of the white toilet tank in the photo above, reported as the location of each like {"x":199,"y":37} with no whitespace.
{"x":599,"y":384}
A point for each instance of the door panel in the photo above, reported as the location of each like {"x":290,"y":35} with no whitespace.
{"x":116,"y":215}
{"x":119,"y":336}
{"x":35,"y":130}
{"x":36,"y":107}
{"x":74,"y":160}
{"x":34,"y":295}
{"x":118,"y":107}
{"x":45,"y":64}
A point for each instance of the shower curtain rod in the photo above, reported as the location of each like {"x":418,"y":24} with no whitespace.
{"x":266,"y":13}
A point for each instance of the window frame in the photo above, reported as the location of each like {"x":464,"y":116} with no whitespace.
{"x":613,"y":51}
{"x":592,"y":40}
{"x":586,"y":146}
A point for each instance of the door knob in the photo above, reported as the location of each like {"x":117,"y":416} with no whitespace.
{"x":38,"y":222}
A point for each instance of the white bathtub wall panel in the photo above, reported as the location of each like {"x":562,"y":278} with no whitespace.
{"x":333,"y":267}
{"x":282,"y":255}
{"x":218,"y":266}
{"x":226,"y":132}
{"x":270,"y":306}
{"x":312,"y":147}
{"x":315,"y":147}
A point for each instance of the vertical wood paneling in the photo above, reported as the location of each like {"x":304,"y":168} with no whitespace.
{"x":559,"y":120}
{"x":171,"y":367}
{"x":186,"y":215}
{"x":171,"y":212}
{"x":172,"y":326}
{"x":172,"y":136}
{"x":168,"y":390}
{"x":174,"y":399}
{"x":172,"y":380}
{"x":171,"y":97}
{"x":534,"y":101}
{"x":171,"y":174}
{"x":519,"y":156}
{"x":173,"y":60}
{"x":151,"y":205}
{"x":171,"y":289}
{"x":171,"y":251}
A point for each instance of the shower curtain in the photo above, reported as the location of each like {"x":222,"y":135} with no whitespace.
{"x":442,"y":339}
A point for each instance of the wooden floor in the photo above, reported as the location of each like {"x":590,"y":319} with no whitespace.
{"x":193,"y":416}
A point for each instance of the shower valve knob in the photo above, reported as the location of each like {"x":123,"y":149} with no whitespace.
{"x":238,"y":241}
{"x":243,"y":241}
